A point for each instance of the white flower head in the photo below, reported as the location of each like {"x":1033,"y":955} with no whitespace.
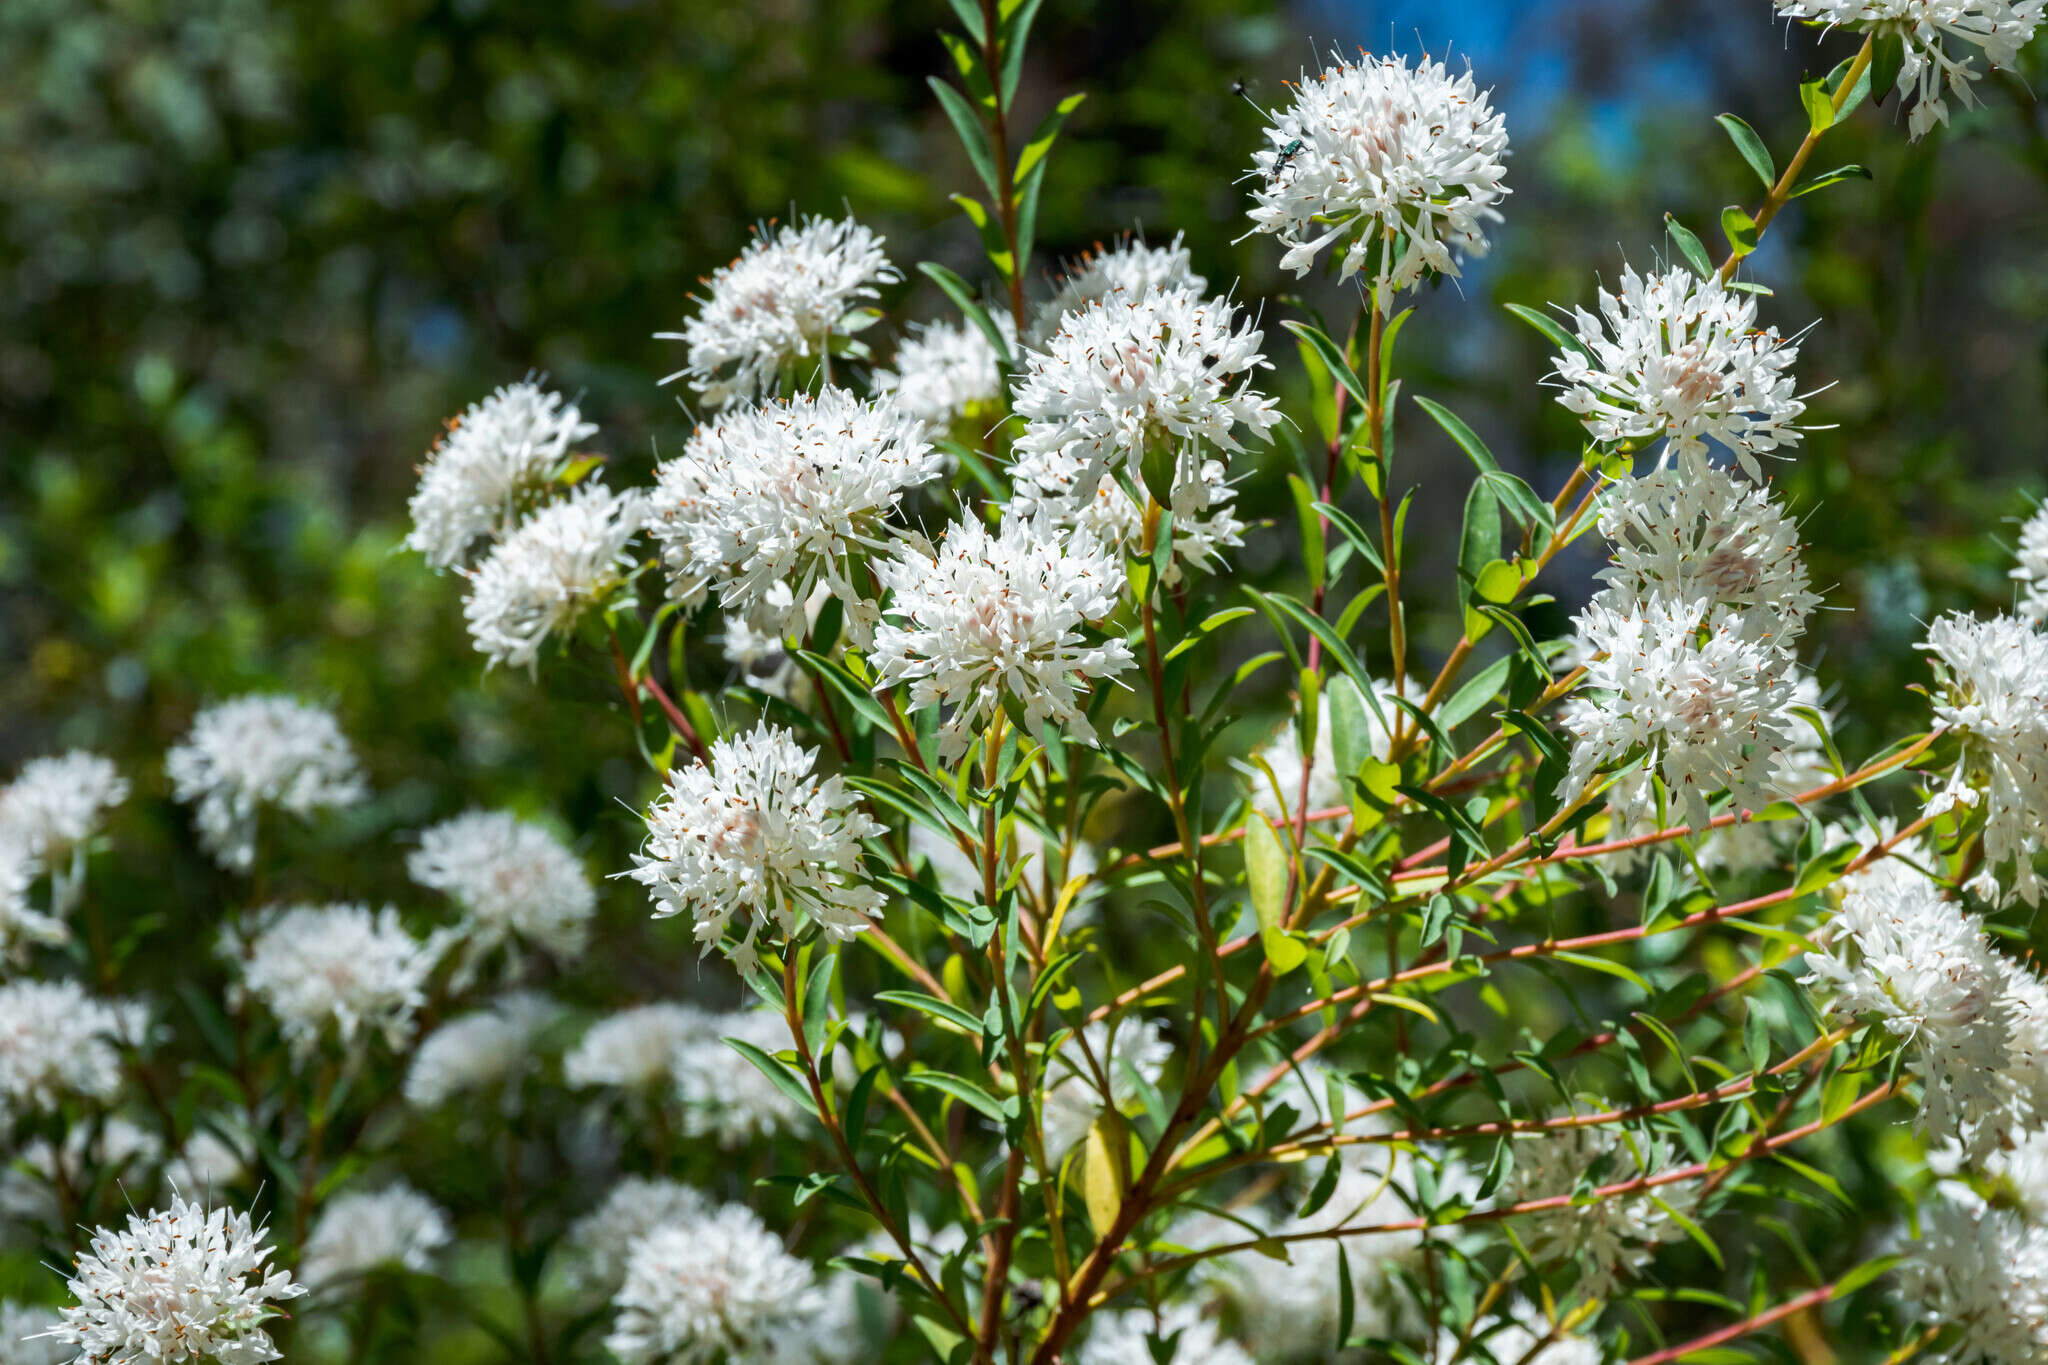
{"x":1132,"y":1055}
{"x":756,"y":833}
{"x":512,"y":879}
{"x":477,"y":1050}
{"x":1164,"y":372}
{"x":1901,"y":953}
{"x":1059,"y":489}
{"x":1997,"y":28}
{"x":1696,"y":532}
{"x":634,"y":1048}
{"x":602,"y":1239}
{"x":58,"y":1042}
{"x":180,"y":1284}
{"x":55,"y":804}
{"x":1993,"y":692}
{"x":1803,"y":765}
{"x":1128,"y":270}
{"x":724,"y":1096}
{"x":1680,"y":357}
{"x":768,"y":503}
{"x":207,"y":1163}
{"x":496,"y":453}
{"x":258,"y":751}
{"x":1986,"y":1272}
{"x":2031,"y":570}
{"x":359,"y":1232}
{"x":1126,"y":1339}
{"x":780,"y":300}
{"x":1612,"y":1237}
{"x":113,"y":1150}
{"x":1686,"y":682}
{"x":540,"y":579}
{"x":947,"y":371}
{"x":995,"y":613}
{"x":22,"y":925}
{"x":718,"y":1288}
{"x":344,"y":967}
{"x":1378,"y":150}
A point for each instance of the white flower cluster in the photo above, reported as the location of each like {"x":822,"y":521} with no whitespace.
{"x":1681,"y":358}
{"x":1985,"y":1272}
{"x":341,"y":966}
{"x":719,"y":1287}
{"x":477,"y":1050}
{"x":361,"y":1231}
{"x":55,"y":804}
{"x":258,"y":751}
{"x":989,"y":614}
{"x":1610,"y":1238}
{"x":1129,"y":1057}
{"x":1901,"y":953}
{"x":602,"y":1239}
{"x":1128,"y":270}
{"x":57,"y":1042}
{"x":947,"y":371}
{"x":1377,"y":151}
{"x":539,"y":580}
{"x":1126,"y":1339}
{"x":1992,"y":678}
{"x":724,"y":1096}
{"x":1997,"y":28}
{"x":1163,"y":373}
{"x":182,"y":1284}
{"x":512,"y":879}
{"x":2031,"y":571}
{"x":497,"y":452}
{"x":634,"y":1048}
{"x":769,"y":503}
{"x":783,"y":299}
{"x":21,"y":924}
{"x":1283,"y":757}
{"x":114,"y":1149}
{"x":756,"y":833}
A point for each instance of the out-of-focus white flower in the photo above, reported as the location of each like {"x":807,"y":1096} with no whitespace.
{"x":542,"y":577}
{"x":477,"y":1050}
{"x":21,"y":924}
{"x":719,"y":1288}
{"x":347,"y":967}
{"x":724,"y":1096}
{"x":1126,"y":1339}
{"x":1376,"y":150}
{"x":1986,"y":1272}
{"x":25,"y":1335}
{"x":1058,"y":488}
{"x":181,"y":1284}
{"x":780,"y":300}
{"x":115,"y":1151}
{"x":57,"y":1042}
{"x":2024,"y":1167}
{"x":1610,"y":1238}
{"x":55,"y":804}
{"x":1998,"y":28}
{"x":358,"y":1232}
{"x":756,"y":833}
{"x":946,"y":371}
{"x":1992,"y":678}
{"x":1901,"y":953}
{"x":2031,"y":570}
{"x":1688,"y":681}
{"x":1128,"y":270}
{"x":1164,"y":372}
{"x":1695,"y":532}
{"x":1520,"y":1336}
{"x":995,"y":613}
{"x":602,"y":1239}
{"x":636,"y":1047}
{"x":768,"y":503}
{"x":206,"y":1163}
{"x":258,"y":751}
{"x":1282,"y":754}
{"x":495,"y":453}
{"x":1681,"y":357}
{"x":1132,"y":1055}
{"x":512,"y":878}
{"x":959,"y":876}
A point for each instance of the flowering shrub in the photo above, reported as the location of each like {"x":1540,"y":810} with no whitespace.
{"x":1534,"y":1003}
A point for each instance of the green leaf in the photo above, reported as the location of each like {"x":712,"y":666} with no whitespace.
{"x":1333,"y":358}
{"x":1825,"y":869}
{"x":1477,"y":691}
{"x":1886,"y":63}
{"x":1751,"y":146}
{"x":1048,"y":130}
{"x":1265,"y":870}
{"x":1688,"y":246}
{"x":963,"y":298}
{"x":1549,"y":327}
{"x":935,"y":1007}
{"x":1820,"y":108}
{"x":818,"y":1004}
{"x":855,"y":1118}
{"x":1017,"y":26}
{"x":1468,"y":440}
{"x":777,"y":1073}
{"x":973,"y":136}
{"x":1740,"y":230}
{"x":1310,"y":527}
{"x":1844,"y":1088}
{"x":1317,"y":627}
{"x":1857,"y":94}
{"x":1610,"y":967}
{"x":1478,"y":544}
{"x":1354,"y":533}
{"x":1350,"y":733}
{"x":1498,"y":582}
{"x":968,"y":1093}
{"x":1833,"y":177}
{"x":969,"y":14}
